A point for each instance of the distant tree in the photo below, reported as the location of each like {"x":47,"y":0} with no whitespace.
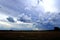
{"x":56,"y":28}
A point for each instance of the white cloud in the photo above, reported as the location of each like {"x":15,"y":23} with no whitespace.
{"x":35,"y":29}
{"x":5,"y":23}
{"x":50,"y":5}
{"x":3,"y":16}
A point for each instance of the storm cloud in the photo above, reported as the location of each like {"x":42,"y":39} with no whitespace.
{"x":41,"y":13}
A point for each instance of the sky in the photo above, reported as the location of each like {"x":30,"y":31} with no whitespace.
{"x":29,"y":14}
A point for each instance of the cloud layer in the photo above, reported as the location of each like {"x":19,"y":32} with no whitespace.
{"x":29,"y":14}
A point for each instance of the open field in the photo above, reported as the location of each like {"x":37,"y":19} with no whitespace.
{"x":30,"y":35}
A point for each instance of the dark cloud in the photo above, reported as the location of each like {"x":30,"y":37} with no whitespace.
{"x":10,"y":19}
{"x":24,"y":18}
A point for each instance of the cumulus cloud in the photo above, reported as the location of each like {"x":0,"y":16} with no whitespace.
{"x":56,"y":20}
{"x":24,"y":18}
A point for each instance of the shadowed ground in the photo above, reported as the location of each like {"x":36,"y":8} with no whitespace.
{"x":30,"y":35}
